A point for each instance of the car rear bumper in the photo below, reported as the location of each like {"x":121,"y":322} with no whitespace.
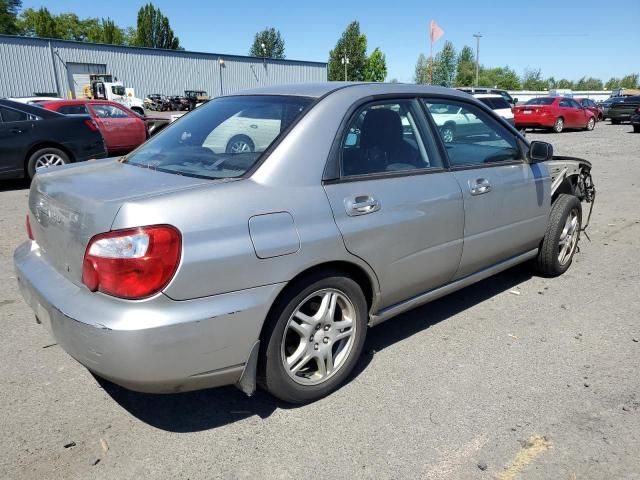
{"x":156,"y":345}
{"x":534,"y":121}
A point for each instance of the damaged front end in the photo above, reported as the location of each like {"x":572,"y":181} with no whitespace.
{"x":571,"y":175}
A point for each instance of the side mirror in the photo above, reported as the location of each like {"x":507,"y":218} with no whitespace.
{"x":515,"y":101}
{"x":540,"y":152}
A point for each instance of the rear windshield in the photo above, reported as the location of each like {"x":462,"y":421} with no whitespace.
{"x":541,"y":101}
{"x":222,"y":139}
{"x":495,"y":103}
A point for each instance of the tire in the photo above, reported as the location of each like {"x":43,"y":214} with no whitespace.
{"x":591,"y":123}
{"x":45,"y":157}
{"x":558,"y":126}
{"x":550,"y":260}
{"x":240,"y":144}
{"x":615,"y":121}
{"x":600,"y":117}
{"x":636,"y":129}
{"x":287,"y":338}
{"x":448,"y":132}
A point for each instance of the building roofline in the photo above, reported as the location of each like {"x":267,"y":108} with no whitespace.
{"x":163,"y":50}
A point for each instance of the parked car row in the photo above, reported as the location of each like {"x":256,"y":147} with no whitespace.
{"x":163,"y":103}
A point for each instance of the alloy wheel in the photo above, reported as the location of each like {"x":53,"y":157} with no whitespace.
{"x":568,"y":237}
{"x":240,"y":146}
{"x":49,"y":160}
{"x":318,"y":337}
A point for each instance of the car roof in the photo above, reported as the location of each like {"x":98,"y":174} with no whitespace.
{"x":79,"y":101}
{"x":320,"y":89}
{"x":31,"y":109}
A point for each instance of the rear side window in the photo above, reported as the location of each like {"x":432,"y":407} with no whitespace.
{"x":472,"y":137}
{"x":11,"y":115}
{"x":73,"y":110}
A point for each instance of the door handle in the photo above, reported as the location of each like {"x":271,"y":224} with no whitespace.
{"x":17,"y":130}
{"x":479,"y":186}
{"x":361,"y":205}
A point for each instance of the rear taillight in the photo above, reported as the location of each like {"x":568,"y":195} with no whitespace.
{"x":28,"y":227}
{"x":133,"y":263}
{"x":91,"y":124}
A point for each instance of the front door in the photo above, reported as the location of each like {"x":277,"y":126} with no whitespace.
{"x":113,"y":125}
{"x":395,"y":204}
{"x":506,"y":200}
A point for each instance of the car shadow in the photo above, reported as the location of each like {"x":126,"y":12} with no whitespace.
{"x":14,"y":184}
{"x":213,"y":408}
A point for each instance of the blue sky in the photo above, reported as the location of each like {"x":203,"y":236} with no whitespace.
{"x":564,"y":38}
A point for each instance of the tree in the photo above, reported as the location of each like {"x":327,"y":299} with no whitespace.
{"x":499,"y":77}
{"x":9,"y":16}
{"x":532,"y":80}
{"x":466,"y":67}
{"x":272,"y":41}
{"x":589,"y":84}
{"x":629,"y":81}
{"x":444,"y":66}
{"x":612,"y":83}
{"x":376,"y":69}
{"x":38,"y":23}
{"x":394,"y":80}
{"x":563,"y":83}
{"x":421,"y":75}
{"x":154,"y":30}
{"x":353,"y":45}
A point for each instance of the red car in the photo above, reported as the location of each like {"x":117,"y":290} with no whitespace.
{"x":591,"y":106}
{"x":555,"y":113}
{"x":122,"y":129}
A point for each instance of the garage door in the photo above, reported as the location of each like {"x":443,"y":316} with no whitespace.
{"x":78,"y":74}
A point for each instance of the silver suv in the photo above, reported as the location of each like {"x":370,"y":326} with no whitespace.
{"x":187,"y":264}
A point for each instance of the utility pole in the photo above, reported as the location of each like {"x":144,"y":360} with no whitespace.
{"x":345,"y":62}
{"x":478,"y":36}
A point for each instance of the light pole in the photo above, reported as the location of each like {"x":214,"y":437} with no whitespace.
{"x":345,"y":62}
{"x":478,"y":36}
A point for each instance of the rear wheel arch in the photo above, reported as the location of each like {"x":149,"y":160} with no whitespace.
{"x":40,"y":146}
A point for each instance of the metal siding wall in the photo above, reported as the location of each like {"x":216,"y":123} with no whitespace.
{"x":26,"y":64}
{"x":25,"y":67}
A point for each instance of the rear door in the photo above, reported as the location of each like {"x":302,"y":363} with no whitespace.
{"x":396,"y":205}
{"x":506,"y":200}
{"x":568,"y":112}
{"x":15,"y":138}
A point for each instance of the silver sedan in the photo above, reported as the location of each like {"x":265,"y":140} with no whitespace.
{"x":193,"y":263}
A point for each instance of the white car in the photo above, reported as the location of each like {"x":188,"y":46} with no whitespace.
{"x":250,"y":130}
{"x":498,"y":104}
{"x":33,"y":100}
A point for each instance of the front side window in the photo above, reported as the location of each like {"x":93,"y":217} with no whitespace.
{"x":109,"y":111}
{"x":384,"y":137}
{"x":470,"y":135}
{"x":222,"y":139}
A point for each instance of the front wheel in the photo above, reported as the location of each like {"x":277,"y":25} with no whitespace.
{"x":313,"y":338}
{"x":558,"y":126}
{"x":240,"y":144}
{"x":45,"y":158}
{"x":561,"y":238}
{"x":448,"y":133}
{"x":590,"y":123}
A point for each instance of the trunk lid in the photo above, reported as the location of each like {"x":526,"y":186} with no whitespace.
{"x":71,"y":204}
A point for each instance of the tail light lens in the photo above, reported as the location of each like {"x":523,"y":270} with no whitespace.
{"x":28,"y":227}
{"x":133,"y":263}
{"x":91,"y":124}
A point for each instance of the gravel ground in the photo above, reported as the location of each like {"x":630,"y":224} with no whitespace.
{"x":485,"y":383}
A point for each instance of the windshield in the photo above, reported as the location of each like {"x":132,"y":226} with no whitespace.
{"x":222,"y":139}
{"x":540,"y":101}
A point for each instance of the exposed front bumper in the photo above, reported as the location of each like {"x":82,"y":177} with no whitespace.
{"x":155,"y":345}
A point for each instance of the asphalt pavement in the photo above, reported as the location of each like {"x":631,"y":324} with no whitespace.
{"x":517,"y":376}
